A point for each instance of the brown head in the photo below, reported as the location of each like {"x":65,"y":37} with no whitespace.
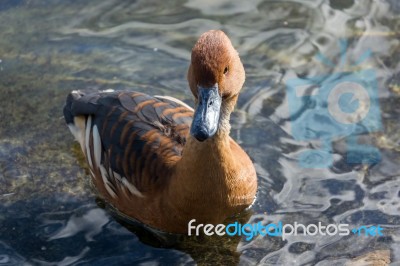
{"x":216,"y":76}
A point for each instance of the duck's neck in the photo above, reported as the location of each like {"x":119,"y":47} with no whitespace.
{"x":224,"y":127}
{"x":204,"y":173}
{"x":212,"y":151}
{"x":209,"y":156}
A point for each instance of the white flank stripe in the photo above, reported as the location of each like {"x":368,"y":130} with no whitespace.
{"x":87,"y":137}
{"x":117,"y":176}
{"x":96,"y":146}
{"x":131,"y":187}
{"x":78,"y":135}
{"x":107,"y":184}
{"x":172,"y":99}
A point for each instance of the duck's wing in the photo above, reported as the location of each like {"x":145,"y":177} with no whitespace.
{"x":131,"y":140}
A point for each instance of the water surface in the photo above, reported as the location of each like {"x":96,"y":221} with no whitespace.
{"x":48,"y":212}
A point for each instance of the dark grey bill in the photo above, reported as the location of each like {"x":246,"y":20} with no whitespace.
{"x":206,"y":117}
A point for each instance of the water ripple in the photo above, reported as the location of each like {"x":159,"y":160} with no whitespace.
{"x":145,"y":45}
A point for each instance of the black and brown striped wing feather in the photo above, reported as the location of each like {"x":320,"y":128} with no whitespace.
{"x":141,"y":137}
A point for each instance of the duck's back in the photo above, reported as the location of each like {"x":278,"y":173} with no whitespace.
{"x":131,"y":140}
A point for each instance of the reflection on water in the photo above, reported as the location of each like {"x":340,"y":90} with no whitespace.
{"x":48,"y":48}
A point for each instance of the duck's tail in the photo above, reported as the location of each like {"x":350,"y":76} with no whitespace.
{"x":77,"y":123}
{"x":78,"y":111}
{"x":68,"y":110}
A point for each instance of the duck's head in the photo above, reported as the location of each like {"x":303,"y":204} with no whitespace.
{"x":216,"y":76}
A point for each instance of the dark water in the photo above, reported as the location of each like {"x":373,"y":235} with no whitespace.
{"x":48,"y":212}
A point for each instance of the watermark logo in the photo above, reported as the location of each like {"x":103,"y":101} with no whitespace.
{"x":281,"y":230}
{"x":343,"y":104}
{"x":368,"y":231}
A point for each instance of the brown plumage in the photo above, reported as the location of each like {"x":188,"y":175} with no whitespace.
{"x":159,"y":162}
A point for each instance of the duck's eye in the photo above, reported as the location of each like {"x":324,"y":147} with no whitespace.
{"x":226,"y":70}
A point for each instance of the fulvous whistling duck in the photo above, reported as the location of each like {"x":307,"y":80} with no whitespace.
{"x":157,"y":160}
